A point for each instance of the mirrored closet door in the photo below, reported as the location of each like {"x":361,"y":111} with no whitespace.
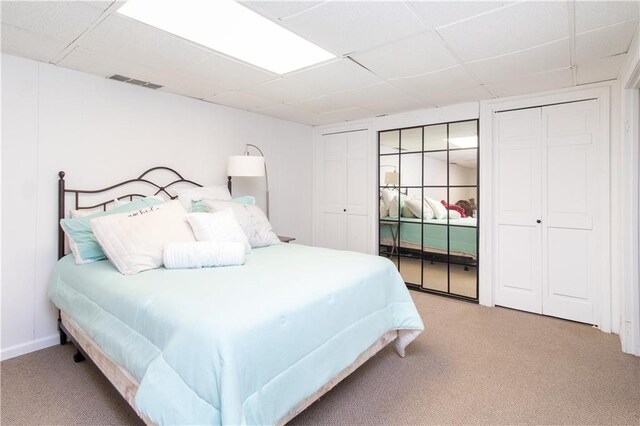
{"x":428,"y":181}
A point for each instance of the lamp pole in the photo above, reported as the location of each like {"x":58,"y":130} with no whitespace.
{"x":266,"y":177}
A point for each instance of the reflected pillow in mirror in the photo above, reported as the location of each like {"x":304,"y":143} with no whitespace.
{"x":439,"y":211}
{"x":384,"y":210}
{"x":419,"y":208}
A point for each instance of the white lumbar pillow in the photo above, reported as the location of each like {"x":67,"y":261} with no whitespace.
{"x":135,"y":241}
{"x":454,"y":214}
{"x":439,"y":211}
{"x":215,"y":192}
{"x":251,"y":218}
{"x":219,"y":227}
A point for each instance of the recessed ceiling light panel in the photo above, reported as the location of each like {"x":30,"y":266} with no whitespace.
{"x":230,"y":28}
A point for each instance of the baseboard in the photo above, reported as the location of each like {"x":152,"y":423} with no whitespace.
{"x":32,"y":346}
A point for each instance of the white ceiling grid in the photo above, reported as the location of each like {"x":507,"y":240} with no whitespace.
{"x":392,"y":56}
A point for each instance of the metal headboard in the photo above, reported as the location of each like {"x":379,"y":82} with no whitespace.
{"x":63,"y":191}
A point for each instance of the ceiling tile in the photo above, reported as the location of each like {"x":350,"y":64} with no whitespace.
{"x":449,"y":79}
{"x":324,"y":104}
{"x":16,"y":41}
{"x":535,"y":83}
{"x":183,"y":83}
{"x":335,"y":76}
{"x":411,"y":56}
{"x":284,"y":91}
{"x":229,"y":73}
{"x":370,"y":94}
{"x":595,"y":14}
{"x":345,"y":27}
{"x":276,"y":10}
{"x":397,"y":105}
{"x":124,"y":38}
{"x":240,"y":100}
{"x":84,"y":60}
{"x":349,"y":114}
{"x":440,"y":13}
{"x":600,"y":69}
{"x":547,"y":57}
{"x":58,"y":20}
{"x":607,"y":41}
{"x":520,"y":26}
{"x":451,"y":97}
{"x":287,"y":112}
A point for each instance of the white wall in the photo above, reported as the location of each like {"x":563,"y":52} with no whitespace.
{"x":100,"y":132}
{"x":471,"y":111}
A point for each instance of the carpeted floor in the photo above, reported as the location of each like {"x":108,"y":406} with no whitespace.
{"x":472,"y":365}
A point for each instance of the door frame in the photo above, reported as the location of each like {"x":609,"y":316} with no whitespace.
{"x":488,"y":181}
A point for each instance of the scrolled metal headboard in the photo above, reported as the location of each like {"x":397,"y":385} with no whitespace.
{"x":63,"y":191}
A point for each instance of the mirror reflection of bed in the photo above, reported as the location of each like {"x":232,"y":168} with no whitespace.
{"x":428,"y":206}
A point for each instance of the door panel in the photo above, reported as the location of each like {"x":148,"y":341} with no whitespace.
{"x":333,"y":233}
{"x":519,"y":284}
{"x":357,"y":173}
{"x":357,"y":226}
{"x":569,"y":264}
{"x":518,"y":243}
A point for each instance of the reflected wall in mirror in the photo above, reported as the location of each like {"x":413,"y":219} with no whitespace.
{"x":429,"y":206}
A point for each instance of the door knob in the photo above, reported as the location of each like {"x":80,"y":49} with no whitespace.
{"x":538,"y":221}
{"x":344,"y":210}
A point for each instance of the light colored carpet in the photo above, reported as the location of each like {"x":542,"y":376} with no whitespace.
{"x":473,"y":365}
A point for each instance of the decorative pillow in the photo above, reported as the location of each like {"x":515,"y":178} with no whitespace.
{"x":134,"y":241}
{"x":253,"y":221}
{"x":219,"y":227}
{"x":453,"y":214}
{"x":419,"y":207}
{"x":407,"y":212}
{"x":439,"y":211}
{"x":216,"y":192}
{"x":384,"y":210}
{"x":387,"y":195}
{"x":82,"y":241}
{"x":199,"y":207}
{"x":394,"y":208}
{"x":454,"y":207}
{"x":75,"y":214}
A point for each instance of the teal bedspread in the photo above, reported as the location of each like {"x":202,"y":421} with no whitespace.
{"x":242,"y":344}
{"x":462,"y":235}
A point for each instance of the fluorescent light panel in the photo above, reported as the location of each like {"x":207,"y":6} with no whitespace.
{"x":230,"y":28}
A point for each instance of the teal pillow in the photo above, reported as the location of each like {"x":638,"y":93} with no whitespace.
{"x":83,"y":243}
{"x":199,"y":207}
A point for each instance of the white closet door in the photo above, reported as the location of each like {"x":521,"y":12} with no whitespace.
{"x":518,"y":239}
{"x":344,"y":216}
{"x":569,"y":140}
{"x":356,"y":201}
{"x":333,"y":224}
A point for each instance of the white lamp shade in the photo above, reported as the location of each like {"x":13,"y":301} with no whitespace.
{"x":391,"y":178}
{"x":245,"y":165}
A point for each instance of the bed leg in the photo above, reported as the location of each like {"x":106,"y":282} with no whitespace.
{"x":63,"y":337}
{"x":466,"y":268}
{"x":78,"y":357}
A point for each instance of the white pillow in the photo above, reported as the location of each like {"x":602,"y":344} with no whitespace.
{"x":219,"y":227}
{"x":384,"y":210}
{"x":420,"y":208}
{"x":253,"y":221}
{"x":454,"y":214}
{"x":439,"y":211}
{"x":394,"y":208}
{"x":387,"y":195}
{"x":407,"y":212}
{"x":135,"y":241}
{"x":216,"y":192}
{"x":75,"y":214}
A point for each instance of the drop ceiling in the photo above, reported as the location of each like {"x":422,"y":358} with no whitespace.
{"x":393,"y":56}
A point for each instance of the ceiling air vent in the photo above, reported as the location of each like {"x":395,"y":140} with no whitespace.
{"x":130,"y":80}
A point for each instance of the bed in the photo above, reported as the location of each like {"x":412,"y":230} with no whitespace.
{"x":430,"y":236}
{"x":251,"y":344}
